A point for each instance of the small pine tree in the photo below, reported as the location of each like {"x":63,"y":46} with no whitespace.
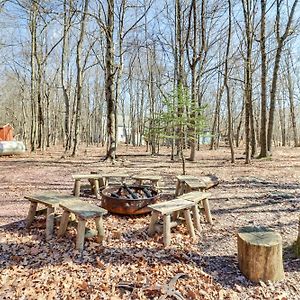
{"x":175,"y":122}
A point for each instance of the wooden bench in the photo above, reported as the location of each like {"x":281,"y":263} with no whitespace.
{"x":166,"y":209}
{"x":108,"y":176}
{"x":189,"y":183}
{"x":84,"y":211}
{"x":51,"y":201}
{"x":95,"y":181}
{"x":154,"y":179}
{"x":197,"y":198}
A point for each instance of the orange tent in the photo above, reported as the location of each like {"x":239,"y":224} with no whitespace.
{"x":6,"y":133}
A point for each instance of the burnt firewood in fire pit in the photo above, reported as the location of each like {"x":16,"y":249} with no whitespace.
{"x":115,"y":195}
{"x":119,"y":190}
{"x":134,"y":195}
{"x":147,"y":193}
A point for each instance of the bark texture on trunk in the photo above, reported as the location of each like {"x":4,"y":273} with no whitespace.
{"x":109,"y":84}
{"x":260,"y":254}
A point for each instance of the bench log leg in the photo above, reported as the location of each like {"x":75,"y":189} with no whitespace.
{"x":96,"y":188}
{"x":154,"y":218}
{"x":189,"y":223}
{"x":77,"y":188}
{"x":138,"y":182}
{"x":31,"y":213}
{"x":207,"y":211}
{"x":182,"y":189}
{"x":92,"y":184}
{"x":102,"y":182}
{"x":100,"y":229}
{"x":175,"y":215}
{"x":50,"y":222}
{"x":196,"y":217}
{"x":80,"y":234}
{"x":177,"y":188}
{"x":63,"y":223}
{"x":155,"y":183}
{"x":167,"y":230}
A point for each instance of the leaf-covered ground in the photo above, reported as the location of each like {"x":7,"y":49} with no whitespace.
{"x":130,"y":264}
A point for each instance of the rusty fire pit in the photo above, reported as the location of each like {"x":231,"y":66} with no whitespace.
{"x":118,"y":200}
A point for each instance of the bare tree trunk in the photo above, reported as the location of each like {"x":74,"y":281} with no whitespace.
{"x":120,"y":64}
{"x":215,"y":132}
{"x":280,"y":45}
{"x":40,"y":115}
{"x":64,"y":58}
{"x":263,"y":120}
{"x":229,"y":112}
{"x":33,"y":25}
{"x":248,"y":17}
{"x":109,"y":83}
{"x":180,"y":93}
{"x":239,"y":126}
{"x":79,"y":76}
{"x":282,"y":122}
{"x":193,"y":65}
{"x":290,"y":88}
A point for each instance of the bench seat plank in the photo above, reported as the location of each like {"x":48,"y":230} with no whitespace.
{"x":147,"y":177}
{"x":196,"y":183}
{"x":86,"y":176}
{"x":123,"y":175}
{"x":171,"y":206}
{"x":50,"y":200}
{"x":194,"y":196}
{"x":83,"y":209}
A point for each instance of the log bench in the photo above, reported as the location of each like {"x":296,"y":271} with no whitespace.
{"x":108,"y":176}
{"x":95,"y":180}
{"x":84,"y":211}
{"x":189,"y":183}
{"x":154,"y":179}
{"x":51,"y":201}
{"x":166,"y":210}
{"x":197,"y":198}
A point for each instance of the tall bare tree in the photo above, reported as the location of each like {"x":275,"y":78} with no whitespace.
{"x":281,"y":40}
{"x":226,"y":84}
{"x":79,"y":75}
{"x":109,"y":83}
{"x":263,"y":103}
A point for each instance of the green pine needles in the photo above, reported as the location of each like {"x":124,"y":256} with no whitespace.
{"x":179,"y":120}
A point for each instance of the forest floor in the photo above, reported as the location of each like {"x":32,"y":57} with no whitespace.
{"x":266,"y":192}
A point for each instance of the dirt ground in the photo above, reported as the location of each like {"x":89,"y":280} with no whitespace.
{"x":130,"y":264}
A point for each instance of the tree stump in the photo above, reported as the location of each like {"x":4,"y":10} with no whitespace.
{"x":260,"y":254}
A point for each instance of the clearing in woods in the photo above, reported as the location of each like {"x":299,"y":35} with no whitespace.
{"x":130,"y":264}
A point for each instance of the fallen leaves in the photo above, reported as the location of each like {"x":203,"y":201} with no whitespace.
{"x":31,"y":268}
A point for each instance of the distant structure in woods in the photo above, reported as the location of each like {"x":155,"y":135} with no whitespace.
{"x":8,"y":146}
{"x":205,"y":138}
{"x":6,"y":133}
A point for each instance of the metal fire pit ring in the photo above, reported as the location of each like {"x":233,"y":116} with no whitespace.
{"x":124,"y":206}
